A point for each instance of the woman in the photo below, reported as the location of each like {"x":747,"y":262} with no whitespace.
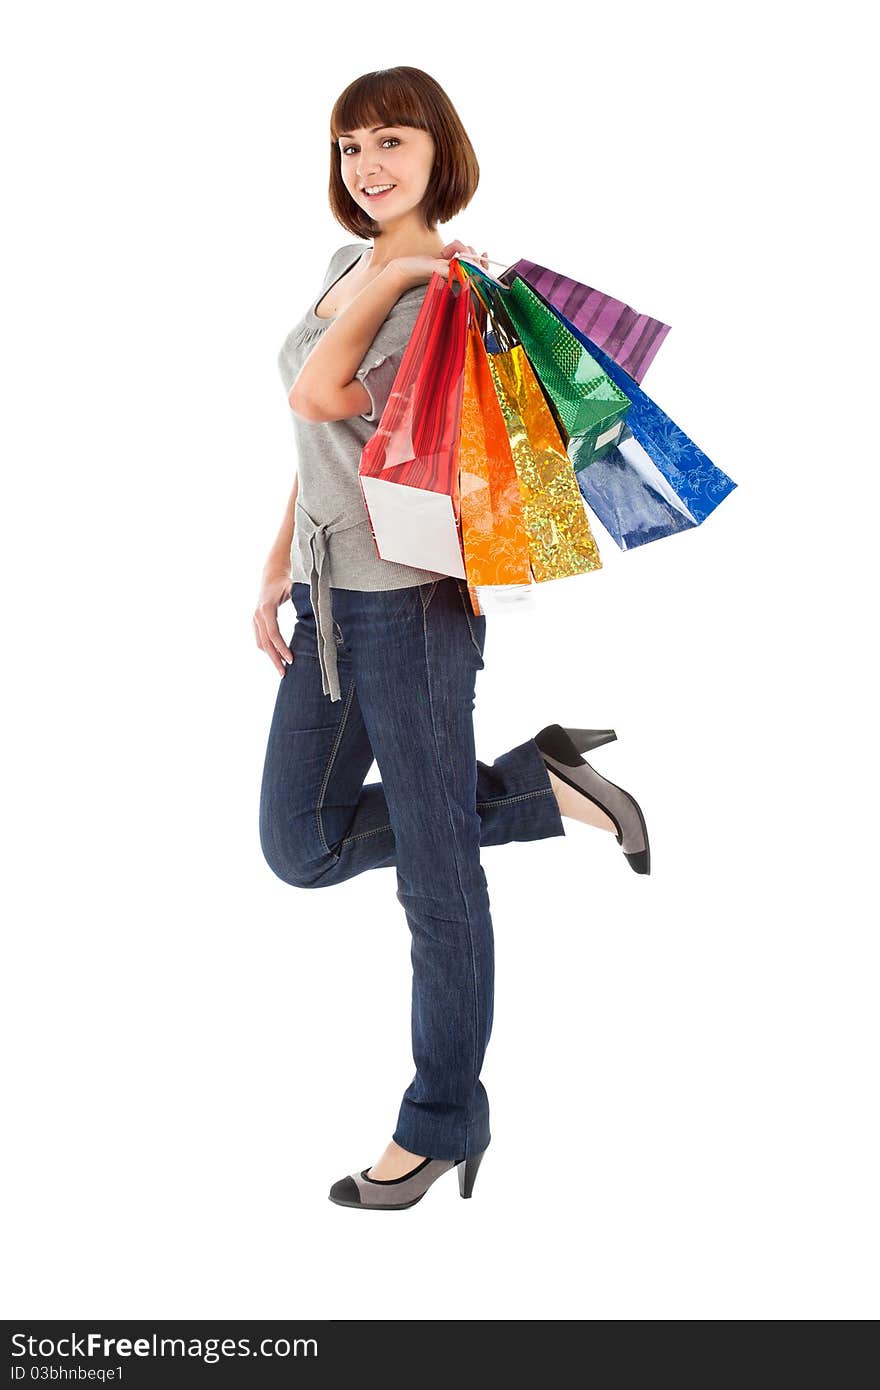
{"x":383,"y":658}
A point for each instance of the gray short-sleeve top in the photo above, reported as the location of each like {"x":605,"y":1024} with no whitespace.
{"x":333,"y":545}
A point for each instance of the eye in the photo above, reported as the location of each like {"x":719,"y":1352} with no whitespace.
{"x":392,"y":138}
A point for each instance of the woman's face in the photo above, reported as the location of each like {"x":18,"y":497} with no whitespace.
{"x":400,"y":155}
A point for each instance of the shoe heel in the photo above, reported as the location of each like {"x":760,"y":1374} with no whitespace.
{"x":585,"y":739}
{"x":565,"y":744}
{"x":467,"y":1174}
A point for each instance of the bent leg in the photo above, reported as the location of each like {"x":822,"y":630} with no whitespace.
{"x":320,"y":823}
{"x":317,"y":756}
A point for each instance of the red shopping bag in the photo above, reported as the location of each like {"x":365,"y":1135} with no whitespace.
{"x":409,"y":467}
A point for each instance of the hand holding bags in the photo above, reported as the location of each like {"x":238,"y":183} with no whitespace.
{"x":438,"y":476}
{"x":410,"y":469}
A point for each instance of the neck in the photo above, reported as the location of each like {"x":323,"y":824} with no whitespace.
{"x":404,"y":237}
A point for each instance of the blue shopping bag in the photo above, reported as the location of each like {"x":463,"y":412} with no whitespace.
{"x":656,"y":481}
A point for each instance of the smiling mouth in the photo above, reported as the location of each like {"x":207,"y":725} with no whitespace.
{"x":389,"y":189}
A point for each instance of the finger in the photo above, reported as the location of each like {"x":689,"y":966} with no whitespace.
{"x":266,"y":646}
{"x":273,"y":632}
{"x":274,"y":657}
{"x":268,"y":618}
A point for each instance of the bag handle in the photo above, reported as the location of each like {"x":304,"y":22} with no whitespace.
{"x":483,"y":286}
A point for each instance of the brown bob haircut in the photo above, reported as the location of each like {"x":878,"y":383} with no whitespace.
{"x":405,"y":97}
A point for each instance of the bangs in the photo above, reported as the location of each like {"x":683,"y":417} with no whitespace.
{"x":377,"y":98}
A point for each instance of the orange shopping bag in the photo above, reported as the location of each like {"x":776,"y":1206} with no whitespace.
{"x":494,"y":537}
{"x":560,"y":540}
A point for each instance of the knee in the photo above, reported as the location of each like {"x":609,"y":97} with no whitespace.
{"x":298,"y":874}
{"x":294,"y":875}
{"x":286,"y":858}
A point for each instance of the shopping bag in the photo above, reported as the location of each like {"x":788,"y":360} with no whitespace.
{"x":589,"y":403}
{"x":409,"y":467}
{"x":560,"y":540}
{"x":584,"y":399}
{"x":691,"y":482}
{"x":629,"y":338}
{"x":631,"y":497}
{"x":495,"y":541}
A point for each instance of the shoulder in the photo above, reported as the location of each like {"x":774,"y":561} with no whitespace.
{"x":351,"y":250}
{"x":342,"y":259}
{"x":347,"y":254}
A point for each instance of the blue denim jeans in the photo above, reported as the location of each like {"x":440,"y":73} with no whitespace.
{"x":407,"y":661}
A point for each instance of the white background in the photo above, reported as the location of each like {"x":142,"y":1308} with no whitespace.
{"x":682,"y":1069}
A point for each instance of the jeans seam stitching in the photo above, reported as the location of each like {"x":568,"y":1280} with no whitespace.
{"x":502,"y":800}
{"x":465,"y":601}
{"x":362,"y":834}
{"x":334,"y":750}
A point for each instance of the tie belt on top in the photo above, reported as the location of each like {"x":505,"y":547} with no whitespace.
{"x":311,"y":537}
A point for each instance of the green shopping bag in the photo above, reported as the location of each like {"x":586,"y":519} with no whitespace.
{"x":587,"y":402}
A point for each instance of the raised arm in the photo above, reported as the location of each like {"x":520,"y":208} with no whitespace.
{"x":325,"y":388}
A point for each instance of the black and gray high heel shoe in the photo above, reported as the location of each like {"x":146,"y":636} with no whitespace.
{"x":561,"y":748}
{"x":393,"y":1194}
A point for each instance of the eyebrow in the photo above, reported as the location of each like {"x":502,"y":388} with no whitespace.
{"x":347,"y":135}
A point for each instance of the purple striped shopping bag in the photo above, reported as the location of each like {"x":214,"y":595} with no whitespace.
{"x":631,"y":339}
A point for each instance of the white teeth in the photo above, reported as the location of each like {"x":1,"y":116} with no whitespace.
{"x":379,"y":188}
